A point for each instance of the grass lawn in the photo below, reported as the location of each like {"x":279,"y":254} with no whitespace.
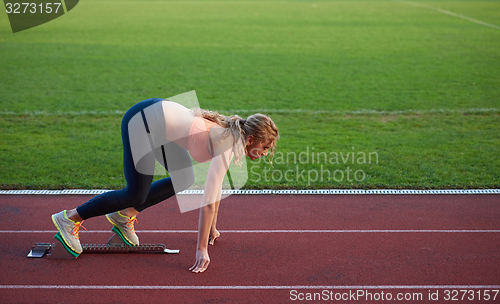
{"x":416,"y":89}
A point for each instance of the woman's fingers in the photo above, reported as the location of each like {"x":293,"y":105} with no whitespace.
{"x":202,"y":261}
{"x":200,"y":267}
{"x":212,"y":238}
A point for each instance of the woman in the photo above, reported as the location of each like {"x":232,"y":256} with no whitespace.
{"x":164,"y":130}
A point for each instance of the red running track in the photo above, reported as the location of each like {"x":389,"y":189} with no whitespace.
{"x":272,"y":249}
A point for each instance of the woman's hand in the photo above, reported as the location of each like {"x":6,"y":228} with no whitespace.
{"x":214,"y":234}
{"x":202,"y":261}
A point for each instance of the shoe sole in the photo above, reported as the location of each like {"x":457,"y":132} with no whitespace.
{"x":68,"y":249}
{"x":116,"y":229}
{"x":61,"y":239}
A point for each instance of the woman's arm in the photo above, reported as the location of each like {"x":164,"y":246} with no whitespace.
{"x":214,"y":233}
{"x":205,"y":221}
{"x":211,"y":196}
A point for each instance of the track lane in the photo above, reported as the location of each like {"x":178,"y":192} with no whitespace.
{"x":266,"y":259}
{"x":281,"y":212}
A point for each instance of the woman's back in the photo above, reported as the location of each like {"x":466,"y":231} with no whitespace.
{"x":178,"y":121}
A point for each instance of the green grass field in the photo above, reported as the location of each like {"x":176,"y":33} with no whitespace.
{"x":405,"y":83}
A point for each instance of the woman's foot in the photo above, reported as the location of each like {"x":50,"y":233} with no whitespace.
{"x":124,"y":227}
{"x":68,"y":230}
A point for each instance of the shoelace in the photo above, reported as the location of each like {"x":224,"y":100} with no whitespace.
{"x":130,"y":223}
{"x":76,"y":229}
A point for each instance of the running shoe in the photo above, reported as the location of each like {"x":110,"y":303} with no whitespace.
{"x":124,"y":227}
{"x":68,"y":232}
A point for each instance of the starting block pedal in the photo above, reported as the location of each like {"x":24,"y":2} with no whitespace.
{"x":114,"y":245}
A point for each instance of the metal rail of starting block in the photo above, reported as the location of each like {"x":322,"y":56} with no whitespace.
{"x":114,"y":245}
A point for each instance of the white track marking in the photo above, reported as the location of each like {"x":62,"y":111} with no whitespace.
{"x":450,"y":13}
{"x":278,"y":111}
{"x":160,"y":287}
{"x":366,"y":111}
{"x":278,"y":231}
{"x":256,"y":192}
{"x":61,"y":113}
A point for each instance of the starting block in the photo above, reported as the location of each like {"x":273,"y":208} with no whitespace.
{"x":114,"y":245}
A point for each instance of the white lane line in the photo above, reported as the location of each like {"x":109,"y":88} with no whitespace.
{"x":276,"y":231}
{"x":450,"y":13}
{"x":277,"y":111}
{"x":269,"y":192}
{"x":158,"y":287}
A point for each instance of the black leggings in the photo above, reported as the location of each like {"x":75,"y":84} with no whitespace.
{"x":139,"y":192}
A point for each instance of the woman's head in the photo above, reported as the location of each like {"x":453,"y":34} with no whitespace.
{"x":257,"y":134}
{"x":261,"y":135}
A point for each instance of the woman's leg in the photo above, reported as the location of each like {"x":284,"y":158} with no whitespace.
{"x":138,"y":184}
{"x":68,"y":223}
{"x":180,"y":168}
{"x":140,"y":193}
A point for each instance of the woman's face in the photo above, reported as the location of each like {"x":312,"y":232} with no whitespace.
{"x":256,"y":149}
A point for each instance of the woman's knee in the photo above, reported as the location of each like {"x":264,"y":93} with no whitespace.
{"x":132,"y":197}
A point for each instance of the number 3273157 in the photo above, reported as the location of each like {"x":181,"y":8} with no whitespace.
{"x":32,"y":8}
